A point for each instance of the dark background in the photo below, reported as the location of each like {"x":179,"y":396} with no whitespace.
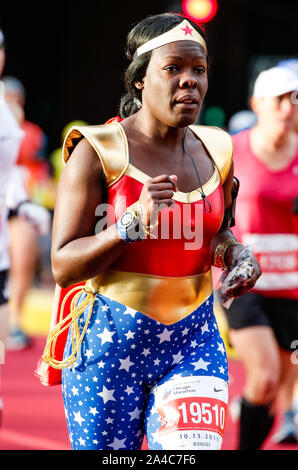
{"x":70,"y":55}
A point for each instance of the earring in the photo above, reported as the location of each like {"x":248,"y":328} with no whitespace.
{"x":139,"y":85}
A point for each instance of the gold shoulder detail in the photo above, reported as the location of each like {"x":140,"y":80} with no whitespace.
{"x":219,"y":145}
{"x":109,"y":143}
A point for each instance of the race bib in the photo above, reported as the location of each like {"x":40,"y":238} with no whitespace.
{"x":278,"y":258}
{"x":192,"y":413}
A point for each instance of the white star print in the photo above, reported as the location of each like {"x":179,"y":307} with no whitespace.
{"x":204,"y":328}
{"x":129,"y":334}
{"x":200,"y":364}
{"x":93,"y":411}
{"x":89,"y":353}
{"x":146,"y":352}
{"x":78,"y":417}
{"x":177,"y":358}
{"x":164,"y":336}
{"x":104,"y":308}
{"x":75,"y":391}
{"x":135,"y":414}
{"x":106,"y":336}
{"x":130,"y":311}
{"x":107,"y":395}
{"x":82,"y":441}
{"x":134,"y":344}
{"x":126,"y":363}
{"x":117,"y":443}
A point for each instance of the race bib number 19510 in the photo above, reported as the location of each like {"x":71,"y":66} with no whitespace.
{"x":192,"y":413}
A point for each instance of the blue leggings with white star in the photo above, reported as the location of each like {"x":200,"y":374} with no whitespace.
{"x":110,"y":392}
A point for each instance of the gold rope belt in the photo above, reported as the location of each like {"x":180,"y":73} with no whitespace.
{"x":64,"y":323}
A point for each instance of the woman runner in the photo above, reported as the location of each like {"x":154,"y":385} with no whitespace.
{"x":143,"y":210}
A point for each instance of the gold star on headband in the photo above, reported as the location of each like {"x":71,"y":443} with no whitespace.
{"x":182,"y":32}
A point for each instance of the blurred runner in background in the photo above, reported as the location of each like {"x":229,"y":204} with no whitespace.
{"x":288,"y":393}
{"x":33,"y":171}
{"x":264,"y":323}
{"x":10,"y":139}
{"x":241,"y":121}
{"x":13,"y":196}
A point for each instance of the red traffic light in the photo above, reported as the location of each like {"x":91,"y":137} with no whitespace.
{"x":200,"y":11}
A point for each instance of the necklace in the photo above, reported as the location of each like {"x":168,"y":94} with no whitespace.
{"x":206,"y":203}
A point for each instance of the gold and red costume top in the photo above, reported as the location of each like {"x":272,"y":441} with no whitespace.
{"x":159,"y":277}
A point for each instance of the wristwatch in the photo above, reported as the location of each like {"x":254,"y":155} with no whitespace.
{"x":130,"y":227}
{"x":126,"y":219}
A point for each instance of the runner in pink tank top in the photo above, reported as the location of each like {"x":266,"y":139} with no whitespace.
{"x":267,"y":218}
{"x":263,"y":324}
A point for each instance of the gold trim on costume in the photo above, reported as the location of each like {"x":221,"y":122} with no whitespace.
{"x":165,"y":299}
{"x":109,"y":143}
{"x":180,"y":196}
{"x":219,"y":145}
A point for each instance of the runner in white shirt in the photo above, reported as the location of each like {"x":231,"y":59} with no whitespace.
{"x":12,"y":197}
{"x":10,"y":140}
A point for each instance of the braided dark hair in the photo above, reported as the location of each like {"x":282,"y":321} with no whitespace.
{"x":147,"y":29}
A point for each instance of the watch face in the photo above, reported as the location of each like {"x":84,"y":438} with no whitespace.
{"x":126,"y":219}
